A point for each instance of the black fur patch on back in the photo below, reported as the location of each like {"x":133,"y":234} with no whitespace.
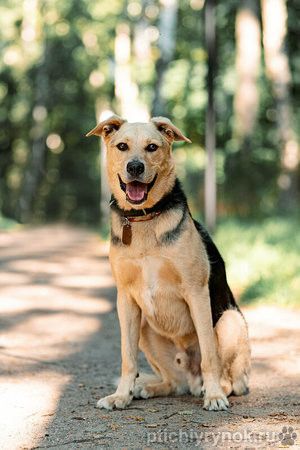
{"x":221,"y":297}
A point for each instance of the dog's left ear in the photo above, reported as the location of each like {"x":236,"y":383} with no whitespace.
{"x":168,"y":130}
{"x":107,"y":127}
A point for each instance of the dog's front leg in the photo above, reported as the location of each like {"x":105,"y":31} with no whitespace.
{"x":130,"y":319}
{"x":199,"y":305}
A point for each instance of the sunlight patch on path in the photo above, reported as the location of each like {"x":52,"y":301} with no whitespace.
{"x":53,"y":297}
{"x":27,"y":405}
{"x":270,"y":331}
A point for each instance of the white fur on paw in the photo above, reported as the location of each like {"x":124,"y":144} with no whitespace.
{"x":196,"y":390}
{"x":144,"y":393}
{"x":114,"y":401}
{"x":216,"y":402}
{"x":196,"y":385}
{"x":137,"y":390}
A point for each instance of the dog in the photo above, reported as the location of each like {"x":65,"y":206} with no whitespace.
{"x":173,"y":299}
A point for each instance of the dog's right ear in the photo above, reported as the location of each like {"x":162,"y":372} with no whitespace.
{"x":108,"y":127}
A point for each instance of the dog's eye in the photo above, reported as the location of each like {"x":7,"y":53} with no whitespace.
{"x":122,"y":146}
{"x":151,"y":147}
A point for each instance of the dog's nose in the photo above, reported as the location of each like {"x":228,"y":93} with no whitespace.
{"x":135,"y":168}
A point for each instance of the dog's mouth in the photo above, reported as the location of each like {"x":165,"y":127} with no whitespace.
{"x":136,"y":191}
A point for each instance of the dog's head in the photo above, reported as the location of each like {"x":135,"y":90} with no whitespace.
{"x":140,"y":164}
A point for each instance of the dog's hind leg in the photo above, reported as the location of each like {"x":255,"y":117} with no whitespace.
{"x":234,"y":352}
{"x":160,"y":353}
{"x":190,"y":362}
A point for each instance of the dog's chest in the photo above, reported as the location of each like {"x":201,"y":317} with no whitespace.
{"x":155,"y":284}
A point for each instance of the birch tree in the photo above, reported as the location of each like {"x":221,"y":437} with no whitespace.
{"x":248,"y":53}
{"x":31,"y":32}
{"x":274,"y":19}
{"x":210,"y":184}
{"x":166,"y":45}
{"x":126,"y":89}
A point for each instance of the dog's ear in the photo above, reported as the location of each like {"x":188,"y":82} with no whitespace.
{"x":108,"y":127}
{"x":168,"y":130}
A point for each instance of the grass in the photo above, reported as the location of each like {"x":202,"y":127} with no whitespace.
{"x":262,"y":259}
{"x":7,"y":224}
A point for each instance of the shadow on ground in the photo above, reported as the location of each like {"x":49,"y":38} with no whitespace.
{"x":59,"y":352}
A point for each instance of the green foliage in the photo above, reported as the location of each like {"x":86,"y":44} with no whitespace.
{"x":262,"y":259}
{"x":57,"y":67}
{"x":7,"y":224}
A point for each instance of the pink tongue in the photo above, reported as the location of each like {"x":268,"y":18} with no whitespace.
{"x":136,"y":191}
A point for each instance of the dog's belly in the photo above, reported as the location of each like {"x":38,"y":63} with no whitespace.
{"x":155,"y":284}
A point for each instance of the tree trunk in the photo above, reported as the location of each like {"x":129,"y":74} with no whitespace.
{"x":166,"y":44}
{"x":274,"y":18}
{"x":102,"y":113}
{"x":210,"y":188}
{"x":126,"y":90}
{"x":35,"y":168}
{"x":142,"y":40}
{"x":248,"y":52}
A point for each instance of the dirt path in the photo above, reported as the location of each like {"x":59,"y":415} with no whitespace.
{"x":59,"y":352}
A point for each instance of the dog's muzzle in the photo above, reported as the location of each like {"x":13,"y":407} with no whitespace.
{"x":136,"y":191}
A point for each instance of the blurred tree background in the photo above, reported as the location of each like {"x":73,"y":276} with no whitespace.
{"x":65,"y":64}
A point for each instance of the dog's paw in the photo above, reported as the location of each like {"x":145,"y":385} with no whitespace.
{"x":195,"y":385}
{"x":196,"y":390}
{"x":137,"y":390}
{"x":114,"y":401}
{"x":141,"y":391}
{"x":215,"y":402}
{"x":240,"y":386}
{"x":146,"y":392}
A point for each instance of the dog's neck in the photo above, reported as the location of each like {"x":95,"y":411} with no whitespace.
{"x":173,"y":199}
{"x":170,"y":200}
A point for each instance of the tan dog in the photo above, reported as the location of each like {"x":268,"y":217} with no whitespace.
{"x":173,"y":298}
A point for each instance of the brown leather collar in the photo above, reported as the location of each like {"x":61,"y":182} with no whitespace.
{"x":126,"y":229}
{"x":144,"y":218}
{"x":173,"y":199}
